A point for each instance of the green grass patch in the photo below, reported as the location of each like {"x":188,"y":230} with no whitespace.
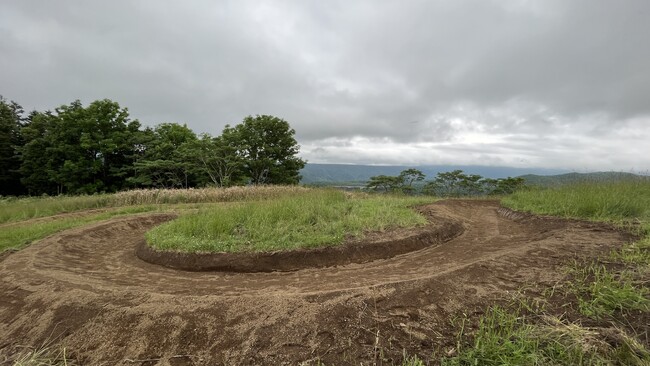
{"x":615,"y":201}
{"x":309,"y":219}
{"x":602,"y":292}
{"x":17,"y":209}
{"x":19,"y":235}
{"x":507,"y":337}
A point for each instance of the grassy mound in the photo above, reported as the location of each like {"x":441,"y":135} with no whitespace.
{"x":309,"y":219}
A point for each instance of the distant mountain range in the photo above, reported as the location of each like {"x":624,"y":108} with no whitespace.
{"x":556,"y":180}
{"x":343,"y":174}
{"x":349,"y":174}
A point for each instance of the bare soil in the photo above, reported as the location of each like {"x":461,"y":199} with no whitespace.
{"x":86,"y":290}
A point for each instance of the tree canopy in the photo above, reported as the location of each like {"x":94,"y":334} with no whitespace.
{"x":446,"y":184}
{"x":98,"y":148}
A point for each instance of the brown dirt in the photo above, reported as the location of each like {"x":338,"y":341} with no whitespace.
{"x":86,"y":290}
{"x":59,"y":216}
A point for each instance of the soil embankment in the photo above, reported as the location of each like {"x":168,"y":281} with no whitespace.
{"x":374,"y":246}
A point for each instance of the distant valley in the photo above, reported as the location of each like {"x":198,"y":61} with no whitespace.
{"x":344,"y":174}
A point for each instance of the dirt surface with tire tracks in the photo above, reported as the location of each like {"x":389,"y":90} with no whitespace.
{"x":86,"y":290}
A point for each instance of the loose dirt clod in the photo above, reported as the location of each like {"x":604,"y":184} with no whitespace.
{"x":86,"y":290}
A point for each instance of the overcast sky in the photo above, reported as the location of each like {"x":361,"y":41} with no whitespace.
{"x":555,"y":84}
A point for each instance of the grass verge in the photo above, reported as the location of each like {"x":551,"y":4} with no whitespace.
{"x":18,"y":236}
{"x":610,"y":293}
{"x":17,"y":209}
{"x":313,"y":218}
{"x":625,"y":201}
{"x":509,"y":337}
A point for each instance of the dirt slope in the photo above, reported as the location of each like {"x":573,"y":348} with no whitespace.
{"x":86,"y":290}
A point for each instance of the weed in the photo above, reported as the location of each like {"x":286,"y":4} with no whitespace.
{"x":43,"y":356}
{"x":508,"y":338}
{"x":602,"y":292}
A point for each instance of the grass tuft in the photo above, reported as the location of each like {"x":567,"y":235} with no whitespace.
{"x":602,"y":292}
{"x":44,"y":356}
{"x":509,"y":338}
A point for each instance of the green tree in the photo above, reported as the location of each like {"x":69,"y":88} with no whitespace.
{"x":385,"y":183}
{"x":408,"y":177}
{"x":36,"y":166}
{"x":11,"y":142}
{"x":79,"y":150}
{"x":165,"y":158}
{"x":267,"y":149}
{"x":454,"y":184}
{"x":218,"y":158}
{"x":508,"y":185}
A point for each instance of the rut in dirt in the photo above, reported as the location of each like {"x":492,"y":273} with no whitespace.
{"x":86,"y":289}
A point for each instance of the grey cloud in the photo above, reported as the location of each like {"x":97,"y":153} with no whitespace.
{"x":350,"y":76}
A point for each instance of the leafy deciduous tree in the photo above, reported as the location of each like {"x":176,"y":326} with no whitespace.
{"x":267,"y":148}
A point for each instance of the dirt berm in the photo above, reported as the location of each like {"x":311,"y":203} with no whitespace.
{"x":374,"y":246}
{"x":86,"y":290}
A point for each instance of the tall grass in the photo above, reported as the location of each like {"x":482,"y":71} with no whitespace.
{"x":313,"y":218}
{"x":20,"y":235}
{"x":17,"y":209}
{"x":614,"y":286}
{"x":203,"y":195}
{"x":614,"y":201}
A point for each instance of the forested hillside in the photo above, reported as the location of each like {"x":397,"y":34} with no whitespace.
{"x":79,"y":149}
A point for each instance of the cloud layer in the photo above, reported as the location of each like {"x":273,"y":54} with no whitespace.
{"x":522,"y":83}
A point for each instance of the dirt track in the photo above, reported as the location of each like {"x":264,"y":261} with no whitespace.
{"x":86,"y":290}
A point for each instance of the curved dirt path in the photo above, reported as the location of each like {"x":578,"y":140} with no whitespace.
{"x":85,"y":289}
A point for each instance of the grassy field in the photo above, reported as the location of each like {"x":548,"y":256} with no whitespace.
{"x":615,"y":201}
{"x":19,"y":235}
{"x":609,"y":293}
{"x":16,"y":232}
{"x":18,"y":209}
{"x":314,"y":218}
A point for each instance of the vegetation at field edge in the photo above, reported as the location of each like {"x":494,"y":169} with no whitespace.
{"x":623,"y":201}
{"x":607,"y":291}
{"x":311,"y":219}
{"x":17,"y":209}
{"x":21,"y":234}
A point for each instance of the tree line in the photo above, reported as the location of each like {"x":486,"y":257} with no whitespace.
{"x":79,"y":149}
{"x":446,"y":184}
